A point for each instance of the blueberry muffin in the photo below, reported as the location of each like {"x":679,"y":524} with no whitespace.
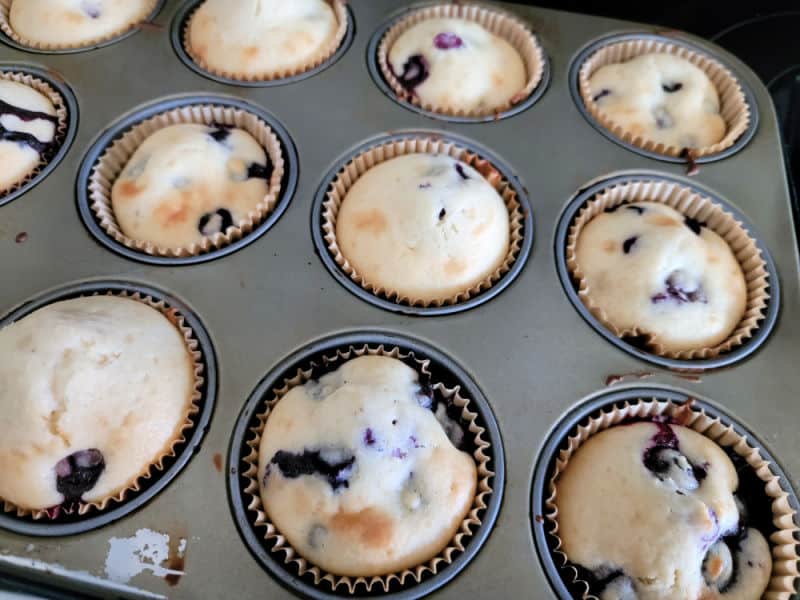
{"x":662,"y":98}
{"x":93,"y":391}
{"x":650,"y":268}
{"x":260,"y":39}
{"x":28,"y":125}
{"x":457,"y":65}
{"x":649,"y":510}
{"x":189,"y":181}
{"x":359,"y":475}
{"x":426,"y":226}
{"x":71,"y":23}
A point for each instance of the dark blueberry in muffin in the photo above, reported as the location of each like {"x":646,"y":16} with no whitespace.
{"x":335,"y":466}
{"x":680,"y":290}
{"x":665,"y":460}
{"x":447,"y":41}
{"x":91,"y":8}
{"x":671,"y":87}
{"x":369,"y":437}
{"x":628,"y":244}
{"x":78,"y":472}
{"x":257,"y":171}
{"x":220,"y":133}
{"x":425,"y":186}
{"x":601,"y":94}
{"x":215,"y":222}
{"x":461,"y":172}
{"x":636,"y":209}
{"x":662,"y":117}
{"x":442,"y":214}
{"x":425,"y":396}
{"x":415,"y":71}
{"x":693,"y":224}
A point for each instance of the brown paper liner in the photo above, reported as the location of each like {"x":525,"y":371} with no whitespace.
{"x":116,"y":156}
{"x":5,"y":27}
{"x":456,"y":545}
{"x":733,"y":107}
{"x":361,"y":163}
{"x":782,"y":543}
{"x":499,"y":23}
{"x":58,"y":102}
{"x":689,"y":203}
{"x":324,"y":53}
{"x":152,"y":469}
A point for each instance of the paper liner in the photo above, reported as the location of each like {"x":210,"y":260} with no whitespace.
{"x":60,"y":105}
{"x":782,"y":543}
{"x":324,"y":53}
{"x":364,"y":161}
{"x":687,"y":202}
{"x":5,"y":27}
{"x":734,"y":109}
{"x":281,"y":545}
{"x":154,"y":468}
{"x":501,"y":24}
{"x":113,"y":160}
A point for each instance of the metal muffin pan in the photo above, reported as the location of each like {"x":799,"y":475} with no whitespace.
{"x":740,"y":352}
{"x":528,"y":349}
{"x":352,"y":286}
{"x":602,"y":402}
{"x":4,"y":39}
{"x":181,"y":18}
{"x":130,"y":120}
{"x":592,"y":47}
{"x":75,"y":524}
{"x":380,"y":81}
{"x":71,"y":105}
{"x":443,"y":369}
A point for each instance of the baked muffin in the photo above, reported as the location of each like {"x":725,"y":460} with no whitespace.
{"x":662,"y":98}
{"x":93,"y":391}
{"x":261,"y":39}
{"x":189,"y":181}
{"x":456,"y":64}
{"x":650,"y":268}
{"x":359,"y":475}
{"x":425,"y":226}
{"x":649,"y":510}
{"x":28,"y":124}
{"x":72,"y":23}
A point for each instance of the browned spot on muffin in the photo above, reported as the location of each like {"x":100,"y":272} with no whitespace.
{"x":173,"y":211}
{"x":201,"y":51}
{"x":128,"y":188}
{"x":714,"y":566}
{"x":662,"y":220}
{"x":454,"y":267}
{"x":371,"y":526}
{"x":497,"y":79}
{"x":373,"y":221}
{"x":480,"y":228}
{"x":74,"y":18}
{"x":250,"y":52}
{"x":610,"y":246}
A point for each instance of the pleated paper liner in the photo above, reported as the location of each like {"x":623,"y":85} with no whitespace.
{"x":733,"y":107}
{"x":5,"y":27}
{"x":115,"y":157}
{"x":782,"y":541}
{"x":153,"y":469}
{"x":364,"y":161}
{"x":60,"y":105}
{"x":499,"y":23}
{"x":690,"y":203}
{"x":324,"y":53}
{"x":353,"y":585}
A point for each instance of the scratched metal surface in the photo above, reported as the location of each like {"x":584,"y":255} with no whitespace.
{"x":528,"y":349}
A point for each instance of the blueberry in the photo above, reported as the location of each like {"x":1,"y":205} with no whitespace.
{"x":601,"y":94}
{"x":628,"y":244}
{"x":461,"y":172}
{"x":257,"y":171}
{"x":442,"y":213}
{"x":91,"y":8}
{"x":447,"y":41}
{"x":415,"y":71}
{"x":693,"y":224}
{"x":671,"y":87}
{"x":369,"y":437}
{"x":78,"y":472}
{"x":670,"y":464}
{"x":662,"y":117}
{"x":425,"y":397}
{"x":335,"y":466}
{"x":636,"y":209}
{"x":680,"y":289}
{"x":425,"y":186}
{"x":215,"y":222}
{"x":220,"y":134}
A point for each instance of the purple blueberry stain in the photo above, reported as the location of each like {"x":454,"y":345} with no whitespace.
{"x":415,"y":442}
{"x":662,"y":117}
{"x":601,"y":94}
{"x":680,"y":290}
{"x":399,"y":453}
{"x":447,"y":41}
{"x":369,"y":437}
{"x":425,"y":186}
{"x":415,"y":71}
{"x":267,"y":472}
{"x":461,"y":172}
{"x":79,"y":472}
{"x":665,"y":460}
{"x":217,"y":221}
{"x":424,"y":396}
{"x":628,"y":244}
{"x":334,"y":466}
{"x":91,"y":8}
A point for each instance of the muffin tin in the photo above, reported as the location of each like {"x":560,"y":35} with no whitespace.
{"x":526,"y":350}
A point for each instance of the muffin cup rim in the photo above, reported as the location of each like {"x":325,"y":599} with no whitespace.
{"x":588,"y":192}
{"x":193,"y":434}
{"x":249,"y":416}
{"x":682,"y":39}
{"x":603,"y":400}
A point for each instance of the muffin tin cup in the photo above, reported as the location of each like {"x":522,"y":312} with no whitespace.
{"x":109,"y":155}
{"x":608,"y":409}
{"x":451,"y":383}
{"x":737,"y":102}
{"x":58,"y":521}
{"x":63,"y":100}
{"x":502,"y":24}
{"x":11,"y":38}
{"x":346,"y":172}
{"x":760,"y":276}
{"x":325,"y":57}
